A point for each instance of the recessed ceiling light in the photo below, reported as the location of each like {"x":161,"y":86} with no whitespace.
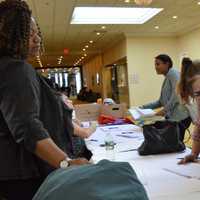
{"x":175,"y":17}
{"x":198,"y":3}
{"x":126,"y":1}
{"x":86,"y":46}
{"x":98,"y":33}
{"x":84,"y":49}
{"x":91,"y":41}
{"x":103,"y":27}
{"x":85,"y":54}
{"x":156,"y":27}
{"x":128,"y":15}
{"x":82,"y":57}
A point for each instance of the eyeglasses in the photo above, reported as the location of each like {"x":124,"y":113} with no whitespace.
{"x":196,"y":94}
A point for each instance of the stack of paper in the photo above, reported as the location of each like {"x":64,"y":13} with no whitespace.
{"x":144,"y":116}
{"x":138,"y":113}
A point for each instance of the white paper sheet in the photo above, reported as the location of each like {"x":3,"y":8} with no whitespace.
{"x":190,"y":170}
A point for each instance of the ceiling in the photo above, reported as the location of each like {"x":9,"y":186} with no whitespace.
{"x":54,"y":18}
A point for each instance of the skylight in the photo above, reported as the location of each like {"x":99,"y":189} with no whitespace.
{"x":113,"y":15}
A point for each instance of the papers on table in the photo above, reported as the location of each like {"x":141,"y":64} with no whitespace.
{"x":161,"y":176}
{"x":126,"y":137}
{"x":138,"y":113}
{"x":121,"y":128}
{"x":190,"y":170}
{"x":120,"y":134}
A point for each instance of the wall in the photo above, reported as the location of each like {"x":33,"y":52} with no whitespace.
{"x":144,"y":83}
{"x":97,"y":64}
{"x":189,"y":44}
{"x":115,"y":53}
{"x":90,"y":71}
{"x":110,"y":56}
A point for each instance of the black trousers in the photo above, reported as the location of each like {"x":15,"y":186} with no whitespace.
{"x":183,"y":125}
{"x":19,"y":189}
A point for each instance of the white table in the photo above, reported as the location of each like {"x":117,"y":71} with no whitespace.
{"x":160,"y":184}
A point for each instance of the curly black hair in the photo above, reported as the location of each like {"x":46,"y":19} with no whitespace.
{"x":15,"y":22}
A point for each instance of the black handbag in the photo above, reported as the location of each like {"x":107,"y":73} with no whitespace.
{"x":161,"y":137}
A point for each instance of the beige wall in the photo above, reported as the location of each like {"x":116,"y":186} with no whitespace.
{"x":189,"y":44}
{"x":110,"y":56}
{"x":90,"y":70}
{"x":97,"y":65}
{"x":144,"y":83}
{"x":115,"y":53}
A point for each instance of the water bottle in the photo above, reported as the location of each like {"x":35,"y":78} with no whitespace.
{"x":109,"y":146}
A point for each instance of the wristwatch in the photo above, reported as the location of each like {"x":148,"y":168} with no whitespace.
{"x":65,"y":163}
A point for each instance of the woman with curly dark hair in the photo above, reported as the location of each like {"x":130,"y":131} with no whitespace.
{"x":35,"y":126}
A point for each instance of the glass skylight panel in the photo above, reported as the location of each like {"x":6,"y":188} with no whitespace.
{"x":113,"y":15}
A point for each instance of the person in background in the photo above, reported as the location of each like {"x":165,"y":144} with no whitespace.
{"x":82,"y":94}
{"x":35,"y":129}
{"x":78,"y":129}
{"x":108,"y":101}
{"x":189,"y":87}
{"x":169,"y":102}
{"x":182,"y":92}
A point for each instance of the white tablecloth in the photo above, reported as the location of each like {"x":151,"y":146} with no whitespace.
{"x":160,"y":183}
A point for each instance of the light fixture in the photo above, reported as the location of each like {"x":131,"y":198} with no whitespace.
{"x":84,"y":49}
{"x":126,"y":1}
{"x":103,"y":27}
{"x":175,"y":17}
{"x":156,"y":27}
{"x":128,"y":15}
{"x":143,"y":2}
{"x":91,"y":41}
{"x":198,"y":3}
{"x":98,"y":33}
{"x":86,"y":46}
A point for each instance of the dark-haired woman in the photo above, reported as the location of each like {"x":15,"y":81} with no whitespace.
{"x":35,"y":128}
{"x":170,"y":105}
{"x":189,"y":87}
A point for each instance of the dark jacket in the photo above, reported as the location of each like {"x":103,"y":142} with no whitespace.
{"x":29,"y":112}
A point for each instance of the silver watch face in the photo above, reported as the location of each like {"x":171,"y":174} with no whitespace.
{"x":64,"y":164}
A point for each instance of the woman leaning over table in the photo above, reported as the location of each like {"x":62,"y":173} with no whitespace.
{"x":35,"y":131}
{"x":189,"y":87}
{"x":170,"y":105}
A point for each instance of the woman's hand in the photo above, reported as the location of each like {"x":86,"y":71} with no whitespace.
{"x":79,"y":161}
{"x":88,"y":132}
{"x":161,"y":113}
{"x":189,"y":158}
{"x":67,"y":101}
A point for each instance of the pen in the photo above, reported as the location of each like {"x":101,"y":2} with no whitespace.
{"x":93,"y":140}
{"x":103,"y":145}
{"x":112,"y":127}
{"x":127,"y":136}
{"x":128,"y":150}
{"x":128,"y":132}
{"x":180,"y":158}
{"x":177,"y":173}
